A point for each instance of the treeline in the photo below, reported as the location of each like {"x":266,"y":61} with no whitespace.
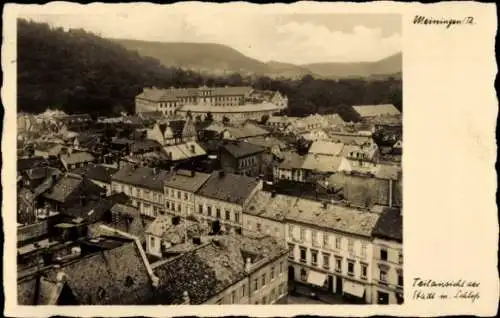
{"x":77,"y":71}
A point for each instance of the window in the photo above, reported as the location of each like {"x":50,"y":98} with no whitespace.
{"x":363,"y":250}
{"x":314,"y":236}
{"x":400,"y":280}
{"x":263,"y":280}
{"x":364,"y":271}
{"x":185,"y":196}
{"x":178,"y":207}
{"x":338,"y":242}
{"x":236,"y":217}
{"x":350,"y":246}
{"x":383,"y":254}
{"x":314,"y":257}
{"x":168,"y":205}
{"x":326,"y":261}
{"x":290,"y":231}
{"x":303,"y":274}
{"x":152,"y":242}
{"x":338,"y":264}
{"x":291,"y":249}
{"x":350,"y":268}
{"x":228,"y":213}
{"x":243,"y":290}
{"x":218,"y":213}
{"x":326,"y":240}
{"x":200,"y":208}
{"x":272,"y":273}
{"x":383,"y":276}
{"x":302,"y":234}
{"x":233,"y":297}
{"x":281,"y":267}
{"x":209,"y":210}
{"x":255,"y":284}
{"x":281,"y":289}
{"x":178,"y":194}
{"x":129,"y":281}
{"x":400,"y":258}
{"x":259,"y":227}
{"x":302,"y":254}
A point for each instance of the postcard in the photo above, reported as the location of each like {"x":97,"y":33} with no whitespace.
{"x":217,"y":159}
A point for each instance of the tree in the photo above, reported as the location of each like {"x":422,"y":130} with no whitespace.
{"x":264,"y":119}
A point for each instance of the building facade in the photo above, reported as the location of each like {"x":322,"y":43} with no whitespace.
{"x":330,"y":248}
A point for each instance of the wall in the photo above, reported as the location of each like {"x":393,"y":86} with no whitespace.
{"x":392,"y":266}
{"x":226,"y":297}
{"x":32,"y":231}
{"x":279,"y":266}
{"x":172,"y":202}
{"x":223,"y":206}
{"x":149,"y":202}
{"x":268,"y":226}
{"x":333,"y":251}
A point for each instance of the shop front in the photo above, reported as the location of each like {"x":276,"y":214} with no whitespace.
{"x":354,"y":292}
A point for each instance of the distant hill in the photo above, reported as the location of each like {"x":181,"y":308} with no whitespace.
{"x":220,"y":59}
{"x":388,"y":66}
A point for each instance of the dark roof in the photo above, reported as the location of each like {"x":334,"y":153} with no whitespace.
{"x":389,"y":225}
{"x":103,"y":278}
{"x":93,"y":211}
{"x":143,"y":145}
{"x":292,"y":160}
{"x":29,"y":163}
{"x":70,"y":185}
{"x":40,"y":172}
{"x":239,"y":149}
{"x":187,"y":180}
{"x":228,"y":187}
{"x":142,"y":176}
{"x":177,"y":127}
{"x":96,"y":172}
{"x":212,"y":267}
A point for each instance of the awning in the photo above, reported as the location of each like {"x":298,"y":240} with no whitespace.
{"x":354,"y":289}
{"x":316,"y":278}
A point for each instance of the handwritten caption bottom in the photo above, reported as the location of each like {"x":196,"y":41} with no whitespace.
{"x":430,"y":289}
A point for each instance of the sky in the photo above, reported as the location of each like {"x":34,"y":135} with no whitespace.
{"x":284,"y":37}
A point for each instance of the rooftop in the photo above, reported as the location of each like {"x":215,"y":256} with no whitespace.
{"x":263,"y":204}
{"x":96,"y":172}
{"x":376,"y":110}
{"x":292,"y":160}
{"x":187,"y":180}
{"x":228,"y":187}
{"x":240,"y":149}
{"x":149,"y":178}
{"x":184,"y":151}
{"x":334,"y":217}
{"x":246,"y":108}
{"x":77,"y":157}
{"x":321,"y":163}
{"x":326,"y":148}
{"x":390,"y":225}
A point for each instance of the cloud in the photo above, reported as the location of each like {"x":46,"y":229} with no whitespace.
{"x":257,"y":35}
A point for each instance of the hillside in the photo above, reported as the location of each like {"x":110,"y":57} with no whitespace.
{"x":220,"y":59}
{"x":388,"y":66}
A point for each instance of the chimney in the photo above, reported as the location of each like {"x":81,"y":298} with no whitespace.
{"x":76,"y":251}
{"x":196,"y":241}
{"x":185,"y":298}
{"x":273,"y":193}
{"x":248,"y":264}
{"x":325,"y":204}
{"x":193,"y":173}
{"x":192,"y":149}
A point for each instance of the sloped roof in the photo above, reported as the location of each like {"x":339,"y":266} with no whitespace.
{"x":376,"y":110}
{"x":266,"y":142}
{"x":321,"y":163}
{"x":77,"y":157}
{"x":390,"y":225}
{"x":64,"y":187}
{"x":93,"y":211}
{"x":263,"y":204}
{"x":239,"y":149}
{"x":187,"y":180}
{"x":145,"y":177}
{"x":184,"y":151}
{"x":347,"y":138}
{"x":228,"y":187}
{"x":124,"y":209}
{"x":96,"y":172}
{"x":322,"y":147}
{"x":335,"y":217}
{"x":292,"y":160}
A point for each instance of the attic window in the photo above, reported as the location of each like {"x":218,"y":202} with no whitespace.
{"x":101,"y":293}
{"x":129,"y":281}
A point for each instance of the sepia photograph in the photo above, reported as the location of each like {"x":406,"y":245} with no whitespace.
{"x":173,"y":157}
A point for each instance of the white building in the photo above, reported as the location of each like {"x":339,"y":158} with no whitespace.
{"x":331,"y":248}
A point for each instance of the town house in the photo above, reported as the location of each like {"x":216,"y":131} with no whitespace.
{"x":330,"y":248}
{"x":241,"y":158}
{"x":144,"y":186}
{"x":388,"y":258}
{"x":223,"y":197}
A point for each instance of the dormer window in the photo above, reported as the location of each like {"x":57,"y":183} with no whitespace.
{"x":129,"y":281}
